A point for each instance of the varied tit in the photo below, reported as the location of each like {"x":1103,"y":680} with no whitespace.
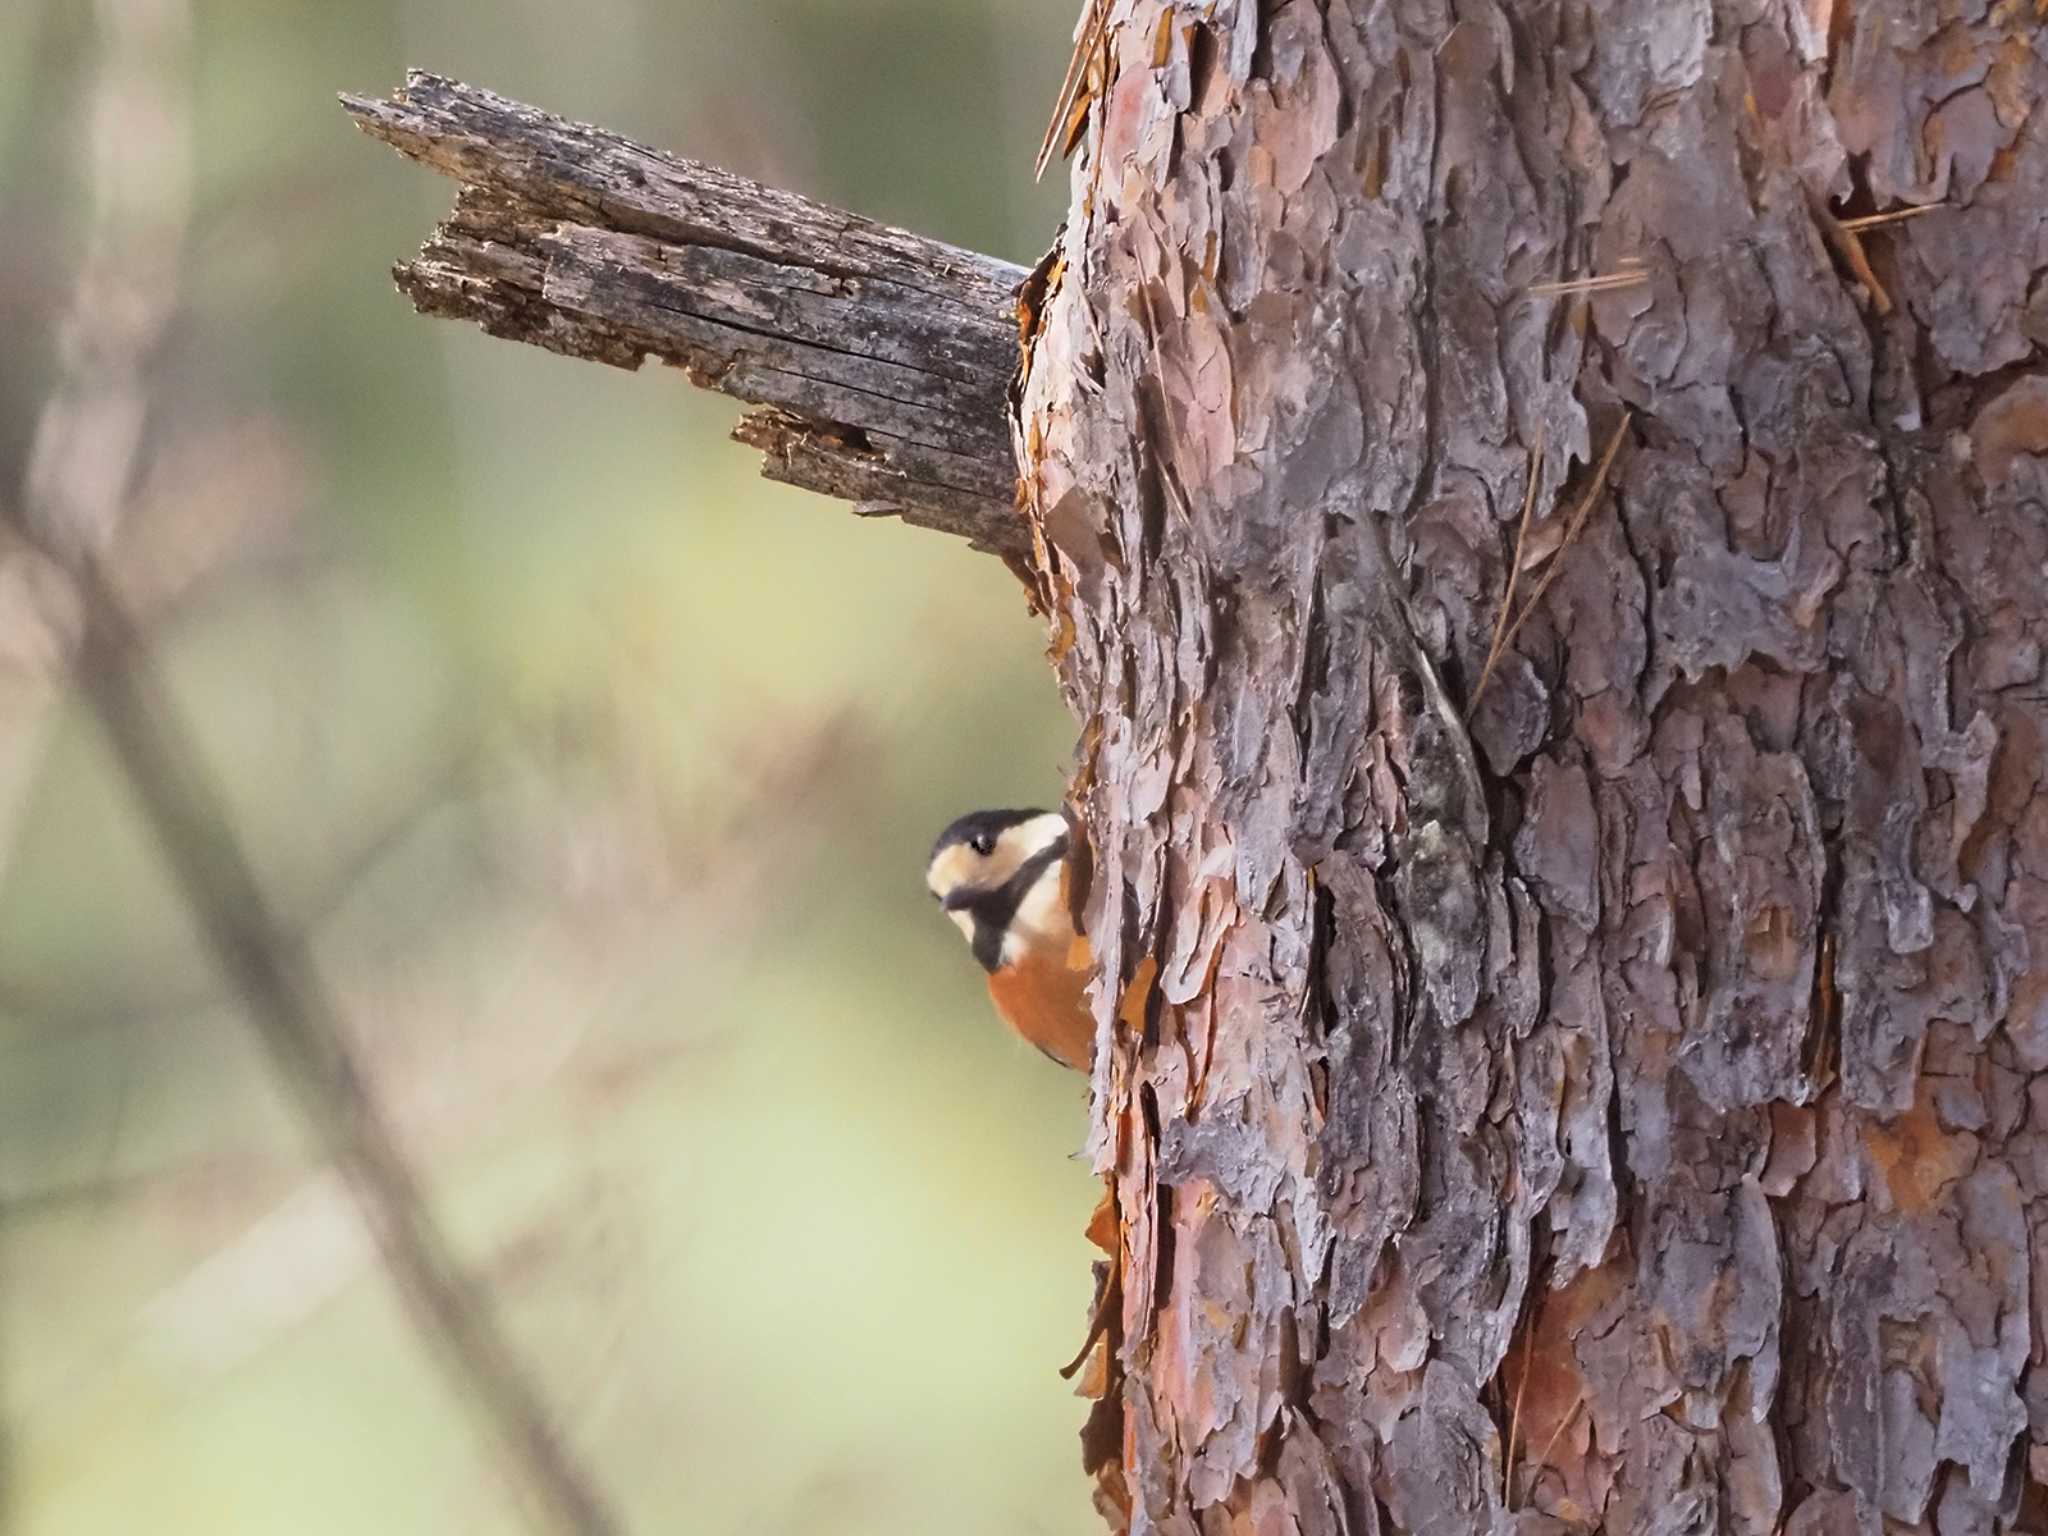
{"x":1002,"y":877}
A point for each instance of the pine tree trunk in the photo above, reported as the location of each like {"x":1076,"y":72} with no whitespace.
{"x":1612,"y":1111}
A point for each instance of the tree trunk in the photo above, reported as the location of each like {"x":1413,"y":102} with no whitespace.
{"x":1614,"y":1112}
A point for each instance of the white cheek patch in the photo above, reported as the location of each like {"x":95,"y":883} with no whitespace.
{"x":1041,"y":921}
{"x":964,"y":921}
{"x":1035,"y":836}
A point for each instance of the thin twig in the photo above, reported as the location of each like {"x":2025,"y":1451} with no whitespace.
{"x":1571,"y":530}
{"x":274,"y":975}
{"x":1603,"y":283}
{"x":1895,"y":216}
{"x":137,"y":172}
{"x":1507,"y":600}
{"x":1077,"y":70}
{"x":1849,"y":246}
{"x":1555,"y":1435}
{"x":1105,"y":1308}
{"x":1515,"y":1417}
{"x":76,"y":492}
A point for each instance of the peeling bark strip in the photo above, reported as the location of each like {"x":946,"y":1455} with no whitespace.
{"x":882,"y":355}
{"x":1663,"y":1065}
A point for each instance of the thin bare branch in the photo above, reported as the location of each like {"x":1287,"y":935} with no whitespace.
{"x":274,"y":975}
{"x":77,"y":488}
{"x":1893,"y":216}
{"x":1571,"y":530}
{"x":1604,"y":283}
{"x":1507,"y":600}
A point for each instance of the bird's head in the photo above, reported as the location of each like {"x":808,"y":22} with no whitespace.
{"x":997,"y":874}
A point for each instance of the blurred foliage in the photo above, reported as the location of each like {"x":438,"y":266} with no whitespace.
{"x":602,"y":775}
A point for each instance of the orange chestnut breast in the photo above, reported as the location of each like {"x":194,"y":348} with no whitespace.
{"x":1045,"y":1000}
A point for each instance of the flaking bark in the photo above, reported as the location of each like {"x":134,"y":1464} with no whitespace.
{"x":1621,"y":1114}
{"x":1617,"y":1112}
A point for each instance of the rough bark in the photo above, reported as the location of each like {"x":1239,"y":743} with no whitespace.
{"x":882,"y":356}
{"x":1618,"y":1113}
{"x":1614,"y":1111}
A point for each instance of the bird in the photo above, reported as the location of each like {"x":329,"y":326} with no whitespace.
{"x":1002,"y":877}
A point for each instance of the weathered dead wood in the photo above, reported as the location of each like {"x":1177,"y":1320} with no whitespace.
{"x":882,"y":356}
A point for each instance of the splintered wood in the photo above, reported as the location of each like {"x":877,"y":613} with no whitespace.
{"x":881,"y":357}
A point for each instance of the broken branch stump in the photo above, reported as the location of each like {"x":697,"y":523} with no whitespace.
{"x":880,"y":358}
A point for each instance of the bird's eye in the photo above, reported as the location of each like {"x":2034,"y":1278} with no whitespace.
{"x":982,"y":844}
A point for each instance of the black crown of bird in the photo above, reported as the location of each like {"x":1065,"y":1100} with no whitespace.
{"x":1003,"y":878}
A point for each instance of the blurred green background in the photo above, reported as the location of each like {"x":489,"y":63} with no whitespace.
{"x":601,"y":774}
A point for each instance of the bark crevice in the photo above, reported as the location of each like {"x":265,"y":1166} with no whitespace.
{"x":1698,"y":976}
